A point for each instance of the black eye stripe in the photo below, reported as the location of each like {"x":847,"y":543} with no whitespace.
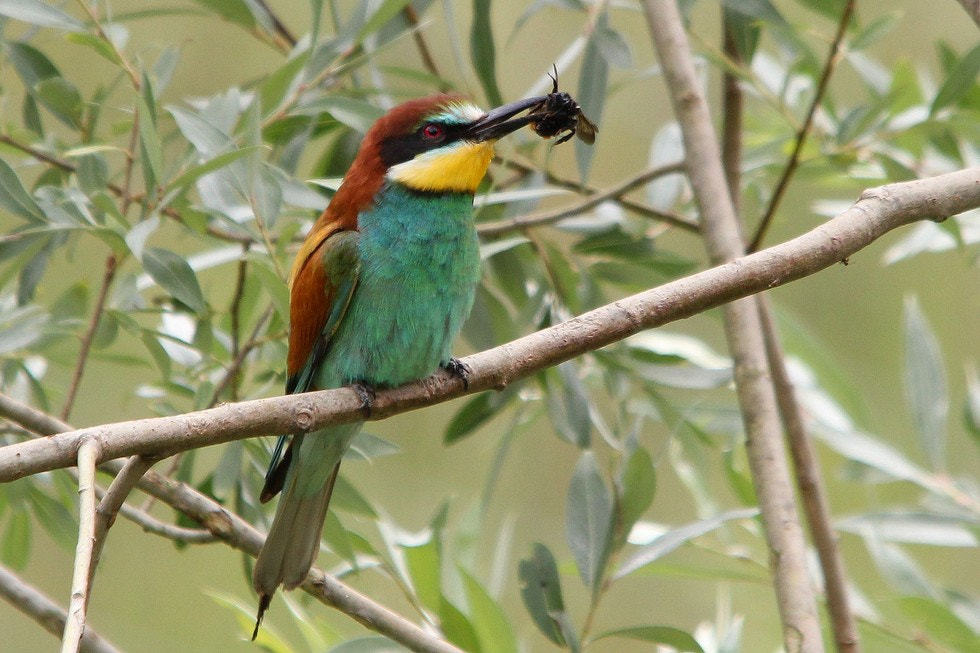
{"x":398,"y":149}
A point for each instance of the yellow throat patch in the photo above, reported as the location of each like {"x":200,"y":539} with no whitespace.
{"x":458,"y":169}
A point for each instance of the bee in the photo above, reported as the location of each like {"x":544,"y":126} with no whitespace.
{"x":559,"y":112}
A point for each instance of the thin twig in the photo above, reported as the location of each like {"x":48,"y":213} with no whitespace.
{"x":48,"y":614}
{"x":811,"y":487}
{"x":764,"y":445}
{"x":240,"y":356}
{"x":113,"y":500}
{"x":674,"y":219}
{"x":595,"y":199}
{"x":89,"y":337}
{"x":88,"y":456}
{"x":278,"y":26}
{"x":173,"y":532}
{"x":427,"y":60}
{"x":733,"y":102}
{"x":833,"y":56}
{"x":235,"y":310}
{"x":89,"y":10}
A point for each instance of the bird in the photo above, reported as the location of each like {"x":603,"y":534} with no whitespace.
{"x":379,"y":290}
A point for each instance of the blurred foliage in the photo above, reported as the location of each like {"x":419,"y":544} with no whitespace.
{"x":196,"y":207}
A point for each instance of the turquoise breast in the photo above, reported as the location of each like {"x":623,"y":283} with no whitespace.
{"x":420,"y":263}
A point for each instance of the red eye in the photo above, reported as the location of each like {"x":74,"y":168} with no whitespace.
{"x":433,"y":132}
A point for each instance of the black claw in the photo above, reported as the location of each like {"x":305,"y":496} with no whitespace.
{"x":460,"y":370}
{"x":366,"y":394}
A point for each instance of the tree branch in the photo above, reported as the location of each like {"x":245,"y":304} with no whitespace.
{"x":239,"y":534}
{"x":45,"y":612}
{"x":878,"y":211}
{"x":812,"y":491}
{"x":88,"y":454}
{"x":673,"y":219}
{"x":89,"y":337}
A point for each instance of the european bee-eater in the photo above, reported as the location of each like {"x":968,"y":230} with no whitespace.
{"x":379,"y":292}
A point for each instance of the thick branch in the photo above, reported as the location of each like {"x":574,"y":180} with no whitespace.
{"x":878,"y":211}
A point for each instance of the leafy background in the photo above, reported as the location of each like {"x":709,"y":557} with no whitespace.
{"x":879,"y":344}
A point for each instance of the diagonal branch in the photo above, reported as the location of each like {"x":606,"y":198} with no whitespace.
{"x":813,"y":495}
{"x":592,"y":201}
{"x":45,"y":612}
{"x":878,"y":211}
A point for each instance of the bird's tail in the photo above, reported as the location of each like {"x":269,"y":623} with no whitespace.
{"x":294,"y":537}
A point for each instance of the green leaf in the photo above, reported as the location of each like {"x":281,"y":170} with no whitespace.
{"x":356,"y":114}
{"x":207,"y":138}
{"x":568,"y":404}
{"x":172,"y":273}
{"x":636,"y":488}
{"x":959,"y":81}
{"x":613,"y":46}
{"x":482,"y":51}
{"x":541,"y":592}
{"x":30,"y":63}
{"x":476,"y":412}
{"x":593,"y":87}
{"x":151,"y":151}
{"x":588,"y":526}
{"x":425,"y":568}
{"x":487,"y":617}
{"x":761,"y":11}
{"x":457,"y":627}
{"x":971,"y":407}
{"x":274,"y":87}
{"x":388,"y":10}
{"x":15,"y":545}
{"x":15,"y":198}
{"x":348,"y":498}
{"x":925,"y":384}
{"x":674,"y":538}
{"x":42,"y":14}
{"x":234,"y":11}
{"x":373,"y":644}
{"x":61,"y":98}
{"x":940,"y":622}
{"x":99,"y":45}
{"x":674,"y":637}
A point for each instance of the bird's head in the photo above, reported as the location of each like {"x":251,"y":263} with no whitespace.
{"x":436,"y":144}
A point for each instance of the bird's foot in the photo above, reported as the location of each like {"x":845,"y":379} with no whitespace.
{"x":366,"y":394}
{"x":460,"y":370}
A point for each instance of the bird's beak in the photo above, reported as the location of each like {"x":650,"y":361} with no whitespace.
{"x":499,"y":122}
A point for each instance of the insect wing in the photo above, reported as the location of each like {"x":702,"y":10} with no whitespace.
{"x":585,"y":129}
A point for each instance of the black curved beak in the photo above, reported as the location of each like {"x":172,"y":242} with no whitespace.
{"x":501,"y":121}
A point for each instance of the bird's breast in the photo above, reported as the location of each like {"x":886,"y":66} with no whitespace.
{"x":420,"y":264}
